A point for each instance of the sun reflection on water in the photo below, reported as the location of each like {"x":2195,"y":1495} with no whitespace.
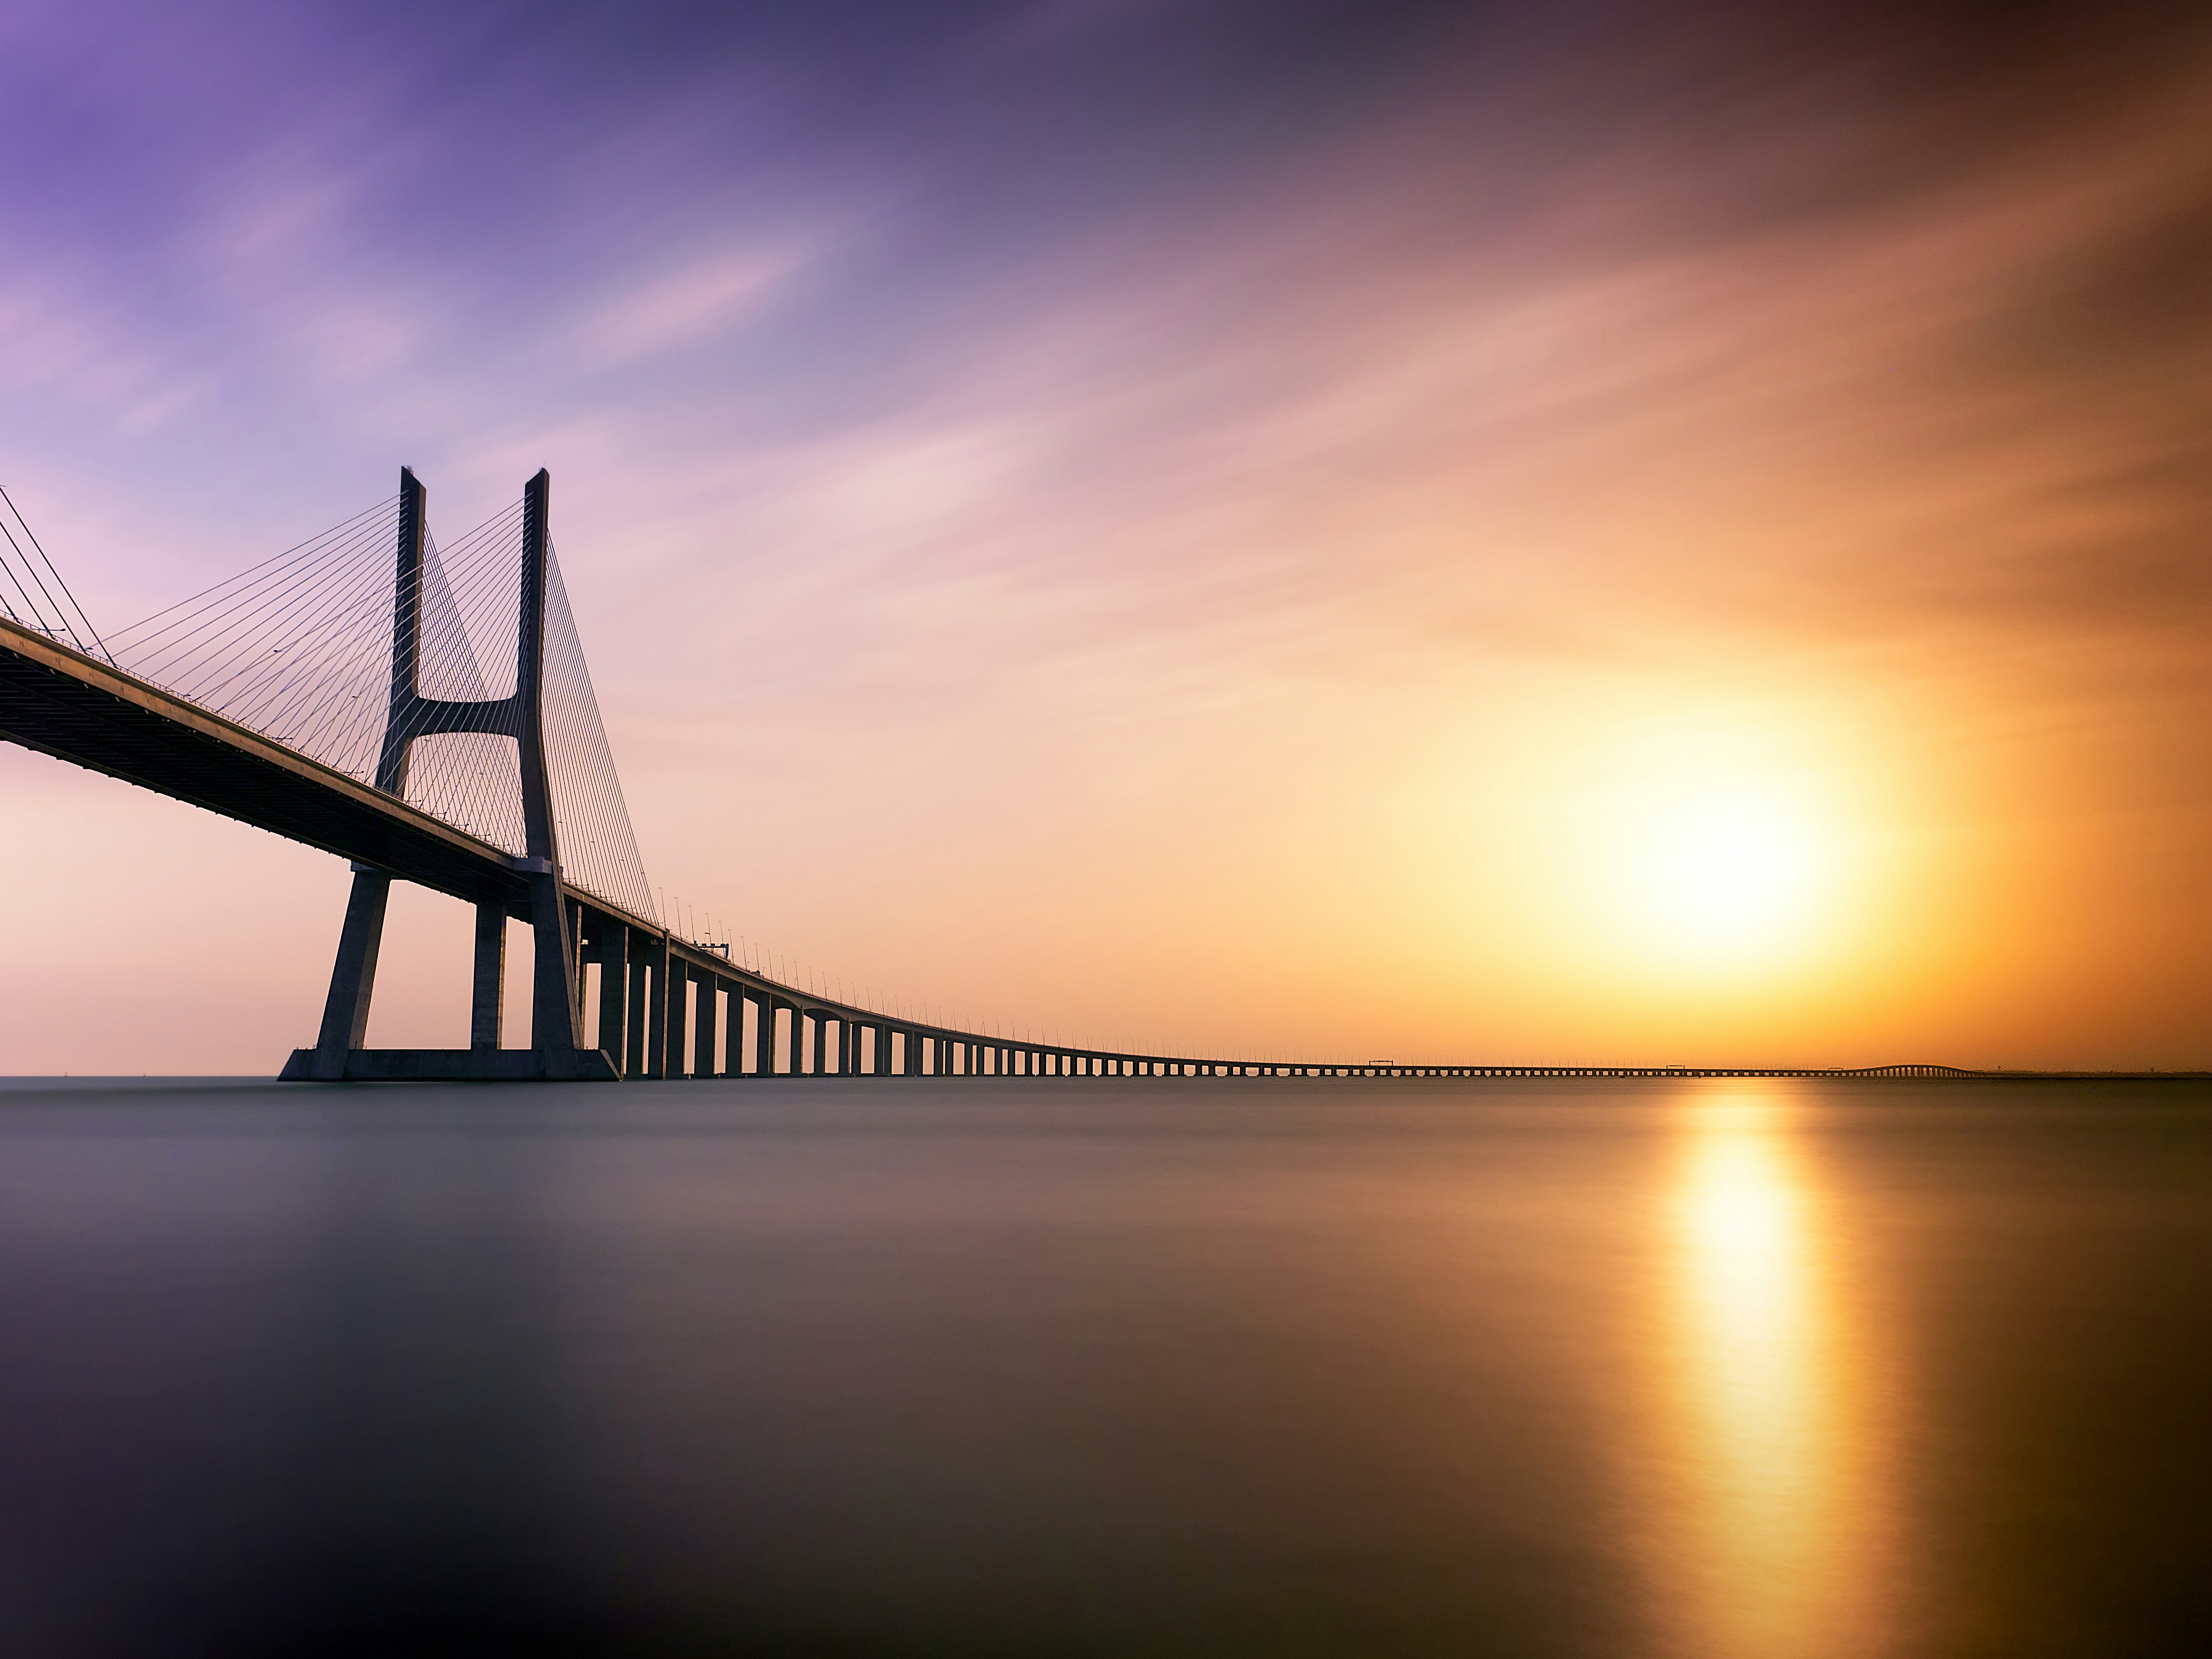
{"x":1774,"y":1514}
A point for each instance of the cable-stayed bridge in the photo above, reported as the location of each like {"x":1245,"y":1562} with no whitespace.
{"x":425,"y":712}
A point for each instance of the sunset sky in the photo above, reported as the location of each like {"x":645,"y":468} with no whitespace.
{"x":1572,"y":533}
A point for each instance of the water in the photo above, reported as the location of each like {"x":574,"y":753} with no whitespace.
{"x":1714,"y":1370}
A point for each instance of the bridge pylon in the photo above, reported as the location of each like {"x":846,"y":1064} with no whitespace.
{"x":556,"y":1015}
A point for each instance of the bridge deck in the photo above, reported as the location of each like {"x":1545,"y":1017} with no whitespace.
{"x":94,"y":715}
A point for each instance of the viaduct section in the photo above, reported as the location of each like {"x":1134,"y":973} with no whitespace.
{"x":659,"y":1006}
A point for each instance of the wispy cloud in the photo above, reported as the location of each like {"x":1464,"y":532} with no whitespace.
{"x":702,"y":302}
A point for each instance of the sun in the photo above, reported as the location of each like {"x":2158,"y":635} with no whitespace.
{"x":1723,"y":868}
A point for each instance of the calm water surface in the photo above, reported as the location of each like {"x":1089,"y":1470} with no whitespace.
{"x":1740,"y":1369}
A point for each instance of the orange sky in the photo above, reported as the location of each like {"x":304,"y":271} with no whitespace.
{"x":1645,"y":560}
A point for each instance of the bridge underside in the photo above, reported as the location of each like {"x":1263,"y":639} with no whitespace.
{"x":98,"y":717}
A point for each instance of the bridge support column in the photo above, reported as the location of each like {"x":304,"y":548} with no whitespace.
{"x":488,"y":991}
{"x":353,"y":977}
{"x":638,"y":949}
{"x":709,"y":1027}
{"x":656,"y":1010}
{"x":763,"y":1035}
{"x":613,"y":952}
{"x":679,"y":986}
{"x":553,"y":1023}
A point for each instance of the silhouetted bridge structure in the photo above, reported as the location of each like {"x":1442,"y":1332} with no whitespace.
{"x":353,"y":694}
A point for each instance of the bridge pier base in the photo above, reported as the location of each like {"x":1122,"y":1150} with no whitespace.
{"x":456,"y":1065}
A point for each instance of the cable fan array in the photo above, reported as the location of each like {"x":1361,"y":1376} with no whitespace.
{"x":598,"y":849}
{"x":31,"y":592}
{"x":298,"y":648}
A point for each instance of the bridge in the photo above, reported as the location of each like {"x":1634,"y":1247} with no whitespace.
{"x":426,"y":714}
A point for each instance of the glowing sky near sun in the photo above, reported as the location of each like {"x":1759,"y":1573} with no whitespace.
{"x":1583,"y":534}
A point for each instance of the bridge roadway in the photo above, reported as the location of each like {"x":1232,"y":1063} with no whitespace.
{"x":665,"y":1005}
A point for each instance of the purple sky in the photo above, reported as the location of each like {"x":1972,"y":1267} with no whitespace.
{"x":1185,"y":524}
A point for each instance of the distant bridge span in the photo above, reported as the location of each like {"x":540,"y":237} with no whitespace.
{"x":665,"y":1004}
